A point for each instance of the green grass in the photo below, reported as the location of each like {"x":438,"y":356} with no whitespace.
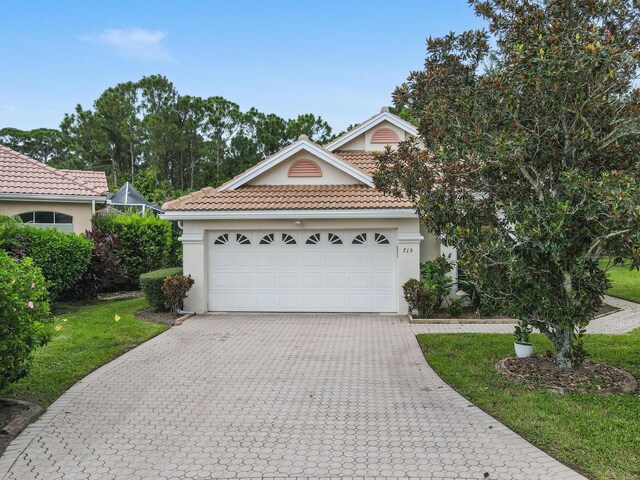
{"x":625,"y":282}
{"x":595,"y":434}
{"x":88,"y":339}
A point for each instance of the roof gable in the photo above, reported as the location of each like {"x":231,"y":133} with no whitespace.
{"x":303,"y":144}
{"x":21,"y":175}
{"x":383,"y":116}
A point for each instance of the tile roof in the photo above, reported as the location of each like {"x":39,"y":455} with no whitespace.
{"x":97,"y":179}
{"x":20,"y":174}
{"x":365,"y":161}
{"x":287,"y":197}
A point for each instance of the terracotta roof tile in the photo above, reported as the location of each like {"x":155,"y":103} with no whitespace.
{"x":97,"y":179}
{"x":287,"y":197}
{"x":20,"y":174}
{"x":365,"y":161}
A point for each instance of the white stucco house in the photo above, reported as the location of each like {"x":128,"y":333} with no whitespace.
{"x":305,"y":230}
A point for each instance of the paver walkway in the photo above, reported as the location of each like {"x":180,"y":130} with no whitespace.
{"x":268,"y":396}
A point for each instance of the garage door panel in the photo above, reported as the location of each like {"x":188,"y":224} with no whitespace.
{"x":323,"y":276}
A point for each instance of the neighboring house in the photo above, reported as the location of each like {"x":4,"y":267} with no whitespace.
{"x":48,"y":197}
{"x":305,"y":230}
{"x":128,"y":198}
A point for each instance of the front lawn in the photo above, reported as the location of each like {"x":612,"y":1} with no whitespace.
{"x":89,"y":338}
{"x":625,"y":282}
{"x":597,"y":435}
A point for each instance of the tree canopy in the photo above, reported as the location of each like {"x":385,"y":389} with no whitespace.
{"x":164,"y":142}
{"x":528,"y":160}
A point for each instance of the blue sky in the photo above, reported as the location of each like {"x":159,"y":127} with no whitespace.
{"x":337,"y":59}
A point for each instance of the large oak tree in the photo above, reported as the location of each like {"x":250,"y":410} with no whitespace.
{"x":528,"y":160}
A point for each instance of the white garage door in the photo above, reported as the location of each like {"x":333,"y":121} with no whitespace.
{"x":323,"y":271}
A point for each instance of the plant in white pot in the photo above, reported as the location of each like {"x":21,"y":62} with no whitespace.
{"x":523,"y":347}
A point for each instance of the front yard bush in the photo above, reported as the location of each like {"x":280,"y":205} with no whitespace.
{"x":144,"y":241}
{"x":23,"y":311}
{"x":425,"y":296}
{"x":175,"y":289}
{"x":151,"y":284}
{"x":62,"y":257}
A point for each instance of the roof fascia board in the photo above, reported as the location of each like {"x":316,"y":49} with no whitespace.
{"x":289,"y":214}
{"x":292,"y":150}
{"x":36,"y":197}
{"x":367,"y":124}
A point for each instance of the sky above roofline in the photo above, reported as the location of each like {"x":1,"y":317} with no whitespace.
{"x":340,"y":60}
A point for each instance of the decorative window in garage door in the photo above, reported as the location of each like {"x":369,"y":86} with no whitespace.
{"x":335,"y":239}
{"x":267,"y":239}
{"x":360,"y":239}
{"x":222,"y":239}
{"x":381,"y":239}
{"x":242,"y":239}
{"x":288,"y":239}
{"x":313,"y":239}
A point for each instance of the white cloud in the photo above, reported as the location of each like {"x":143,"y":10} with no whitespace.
{"x":137,"y":43}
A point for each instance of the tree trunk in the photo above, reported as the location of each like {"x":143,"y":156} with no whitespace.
{"x":563,"y":341}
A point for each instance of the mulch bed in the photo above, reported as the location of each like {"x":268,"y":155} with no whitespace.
{"x":8,"y":412}
{"x":156,"y":316}
{"x":591,"y":377}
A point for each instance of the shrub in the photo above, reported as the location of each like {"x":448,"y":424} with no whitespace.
{"x":144,"y":241}
{"x":62,"y":257}
{"x":426,"y":295}
{"x":151,"y":284}
{"x":104,"y":267}
{"x":11,"y":239}
{"x":175,"y":289}
{"x":23,"y":311}
{"x":454,"y":307}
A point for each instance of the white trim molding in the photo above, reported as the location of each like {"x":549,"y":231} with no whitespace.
{"x":191,"y":239}
{"x":287,"y":152}
{"x":410,"y":238}
{"x":289,"y":214}
{"x":369,"y":124}
{"x":35,"y":197}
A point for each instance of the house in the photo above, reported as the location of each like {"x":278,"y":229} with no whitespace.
{"x":47,"y":197}
{"x":127,"y":198}
{"x":305,"y":230}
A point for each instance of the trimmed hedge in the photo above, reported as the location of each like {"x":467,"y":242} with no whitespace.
{"x":144,"y":241}
{"x":62,"y":257}
{"x":23,"y":311}
{"x":151,"y":284}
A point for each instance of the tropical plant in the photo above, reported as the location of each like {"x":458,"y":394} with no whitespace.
{"x":522,"y":331}
{"x":104,"y":269}
{"x":530,"y":158}
{"x":175,"y":289}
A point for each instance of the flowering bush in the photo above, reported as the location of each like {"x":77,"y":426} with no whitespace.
{"x":24,"y":309}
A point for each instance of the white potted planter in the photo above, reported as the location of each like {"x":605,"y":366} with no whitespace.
{"x":523,"y":350}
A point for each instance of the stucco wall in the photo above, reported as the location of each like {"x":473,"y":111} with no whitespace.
{"x":196,"y":236}
{"x":278,"y":175}
{"x":81,"y":212}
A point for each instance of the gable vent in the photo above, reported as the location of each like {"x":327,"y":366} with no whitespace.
{"x":385,"y":135}
{"x":305,"y":168}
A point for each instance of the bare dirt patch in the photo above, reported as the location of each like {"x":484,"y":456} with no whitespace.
{"x":156,"y":316}
{"x":590,"y":377}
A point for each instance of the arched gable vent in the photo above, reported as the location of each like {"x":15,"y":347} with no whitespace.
{"x":385,"y":135}
{"x":305,"y":168}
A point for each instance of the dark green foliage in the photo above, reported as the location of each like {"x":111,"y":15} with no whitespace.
{"x":104,"y":269}
{"x":530,"y":163}
{"x":23,"y":310}
{"x":426,"y":295}
{"x":175,"y":289}
{"x":11,"y":239}
{"x":454,"y":307}
{"x":151,"y":284}
{"x":522,"y":332}
{"x":144,"y":241}
{"x":175,"y":253}
{"x":62,"y":257}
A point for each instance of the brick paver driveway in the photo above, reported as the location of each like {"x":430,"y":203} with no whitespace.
{"x":250,"y":396}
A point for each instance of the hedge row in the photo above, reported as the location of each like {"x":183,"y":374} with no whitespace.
{"x":151,"y":284}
